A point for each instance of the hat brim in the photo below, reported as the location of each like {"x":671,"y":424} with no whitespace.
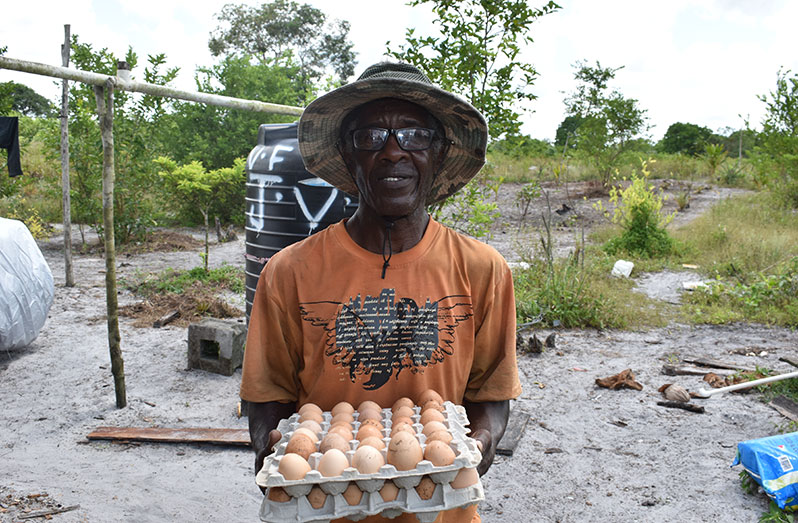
{"x":465,"y":127}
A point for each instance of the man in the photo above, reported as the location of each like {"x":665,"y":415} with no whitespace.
{"x":388,"y":303}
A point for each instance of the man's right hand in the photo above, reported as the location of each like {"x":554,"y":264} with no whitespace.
{"x":263,"y":420}
{"x":260,"y":457}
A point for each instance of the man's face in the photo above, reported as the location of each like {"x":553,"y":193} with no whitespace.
{"x":392,"y":181}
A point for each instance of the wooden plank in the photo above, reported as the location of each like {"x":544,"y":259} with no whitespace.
{"x":173,"y":435}
{"x":789,"y":360}
{"x":786,"y":407}
{"x":512,"y":434}
{"x":708,"y":362}
{"x":47,"y":512}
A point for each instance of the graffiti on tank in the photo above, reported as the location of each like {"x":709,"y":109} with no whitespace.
{"x":257,"y":210}
{"x":314,"y":219}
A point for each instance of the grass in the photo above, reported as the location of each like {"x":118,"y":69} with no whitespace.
{"x":177,"y":282}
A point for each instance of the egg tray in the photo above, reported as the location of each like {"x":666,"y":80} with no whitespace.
{"x":443,"y":498}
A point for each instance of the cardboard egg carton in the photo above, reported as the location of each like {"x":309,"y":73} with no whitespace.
{"x":444,"y":498}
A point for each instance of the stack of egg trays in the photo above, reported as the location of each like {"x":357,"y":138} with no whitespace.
{"x":444,"y":498}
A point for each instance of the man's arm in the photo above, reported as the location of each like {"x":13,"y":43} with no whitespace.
{"x":263,"y":420}
{"x":487,"y":421}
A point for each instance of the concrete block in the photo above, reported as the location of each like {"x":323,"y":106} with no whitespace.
{"x":216,"y":345}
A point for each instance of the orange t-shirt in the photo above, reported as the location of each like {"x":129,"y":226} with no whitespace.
{"x":325,"y":327}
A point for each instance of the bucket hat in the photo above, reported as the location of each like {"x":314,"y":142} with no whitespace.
{"x":465,"y":127}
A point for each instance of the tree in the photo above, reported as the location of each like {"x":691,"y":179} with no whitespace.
{"x":192,"y":185}
{"x":685,"y":138}
{"x":610,"y":121}
{"x":566,"y":131}
{"x":477,"y":55}
{"x":24,"y":100}
{"x":287,"y":34}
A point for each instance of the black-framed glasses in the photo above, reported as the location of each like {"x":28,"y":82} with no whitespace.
{"x":408,"y":138}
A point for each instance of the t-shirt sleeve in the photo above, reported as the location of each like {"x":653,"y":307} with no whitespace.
{"x":270,"y":369}
{"x":494,"y":371}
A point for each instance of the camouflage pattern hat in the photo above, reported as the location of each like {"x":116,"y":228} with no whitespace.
{"x":465,"y":127}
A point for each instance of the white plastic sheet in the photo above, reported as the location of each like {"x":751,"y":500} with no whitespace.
{"x":26,"y":286}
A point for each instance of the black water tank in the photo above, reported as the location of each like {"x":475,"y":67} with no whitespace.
{"x":285,"y":203}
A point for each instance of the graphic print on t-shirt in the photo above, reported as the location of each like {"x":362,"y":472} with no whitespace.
{"x":379,"y":337}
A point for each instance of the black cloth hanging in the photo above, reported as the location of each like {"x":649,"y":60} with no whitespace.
{"x":9,"y":139}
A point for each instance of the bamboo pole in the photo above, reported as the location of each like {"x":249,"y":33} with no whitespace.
{"x":105,"y":110}
{"x":96,"y":79}
{"x":65,"y":201}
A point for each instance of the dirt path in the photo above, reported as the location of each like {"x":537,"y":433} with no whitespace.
{"x":587,"y":453}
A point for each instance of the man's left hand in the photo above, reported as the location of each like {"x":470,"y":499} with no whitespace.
{"x":485,"y":446}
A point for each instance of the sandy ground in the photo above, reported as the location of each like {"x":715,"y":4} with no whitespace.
{"x":587,"y":453}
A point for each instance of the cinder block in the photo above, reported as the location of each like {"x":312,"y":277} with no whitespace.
{"x":216,"y":345}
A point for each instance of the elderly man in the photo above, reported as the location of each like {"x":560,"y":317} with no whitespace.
{"x":388,"y":303}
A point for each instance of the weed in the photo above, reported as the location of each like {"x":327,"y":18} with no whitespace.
{"x":172,"y":281}
{"x":524,"y":198}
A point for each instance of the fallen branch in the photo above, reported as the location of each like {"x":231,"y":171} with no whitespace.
{"x":48,"y":512}
{"x":707,"y":362}
{"x":679,"y":405}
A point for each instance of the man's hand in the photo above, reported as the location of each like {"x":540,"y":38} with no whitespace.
{"x":487,"y":421}
{"x":263,"y":420}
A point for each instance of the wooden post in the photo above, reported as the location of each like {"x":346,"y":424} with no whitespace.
{"x":105,"y":110}
{"x":65,"y":202}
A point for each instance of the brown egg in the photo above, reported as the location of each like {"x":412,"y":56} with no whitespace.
{"x":429,"y":394}
{"x":439,"y":453}
{"x":373,"y":423}
{"x":293,"y":466}
{"x":278,"y":494}
{"x":372,"y":441}
{"x":433,"y":426}
{"x":300,"y":444}
{"x":333,"y":441}
{"x":389,"y":491}
{"x":342,"y":417}
{"x":431,"y":404}
{"x":404,"y":451}
{"x":465,"y":478}
{"x":431,"y":415}
{"x":353,"y":494}
{"x":403,"y":427}
{"x":402,"y":402}
{"x":369,"y":414}
{"x":425,"y":488}
{"x":367,"y":460}
{"x":343,"y":407}
{"x":311,"y":425}
{"x":316,"y":497}
{"x":368,"y":431}
{"x":440,"y":435}
{"x":401,"y":419}
{"x":311,"y":415}
{"x":368,"y":404}
{"x":309,"y":407}
{"x":403,"y":412}
{"x":332,"y":463}
{"x":345,"y":431}
{"x":309,"y":433}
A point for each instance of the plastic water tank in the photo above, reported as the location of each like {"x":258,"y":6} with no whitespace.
{"x":285,"y":203}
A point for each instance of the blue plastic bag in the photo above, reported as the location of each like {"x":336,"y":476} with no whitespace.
{"x":773,"y":463}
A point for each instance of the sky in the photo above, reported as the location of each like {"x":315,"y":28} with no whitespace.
{"x":703,"y":62}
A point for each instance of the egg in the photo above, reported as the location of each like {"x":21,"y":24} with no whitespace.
{"x":431,"y":415}
{"x":368,"y":431}
{"x":440,"y":435}
{"x":439,"y":453}
{"x":278,"y":494}
{"x":312,"y":416}
{"x":316,"y":497}
{"x":401,"y":419}
{"x":368,"y":404}
{"x":309,"y":407}
{"x":433,"y":426}
{"x":293,"y":466}
{"x":311,"y":425}
{"x":389,"y":491}
{"x":402,"y":402}
{"x":369,"y":414}
{"x":333,"y":441}
{"x":404,"y":451}
{"x":353,"y":494}
{"x":403,"y":426}
{"x":342,"y":417}
{"x":372,"y":441}
{"x":373,"y":423}
{"x":367,"y":460}
{"x":425,"y":488}
{"x":429,"y":394}
{"x":343,"y":407}
{"x":309,"y":433}
{"x":332,"y":463}
{"x":403,"y":412}
{"x":465,"y":478}
{"x":345,"y":431}
{"x":431,"y":404}
{"x":300,"y":444}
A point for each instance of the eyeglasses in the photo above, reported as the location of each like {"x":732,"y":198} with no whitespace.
{"x":409,"y":138}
